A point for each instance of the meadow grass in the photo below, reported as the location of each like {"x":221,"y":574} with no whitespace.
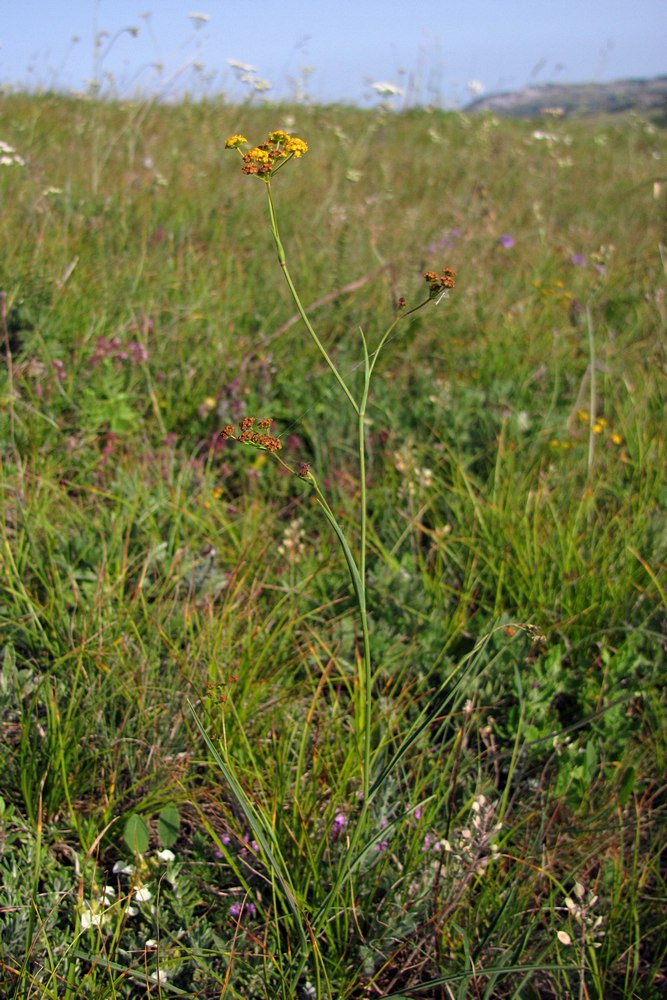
{"x":203,"y":791}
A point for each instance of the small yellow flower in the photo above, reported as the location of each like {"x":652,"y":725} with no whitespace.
{"x":278,"y":136}
{"x":296,"y":146}
{"x":257,"y":155}
{"x":235,"y":141}
{"x":617,"y":439}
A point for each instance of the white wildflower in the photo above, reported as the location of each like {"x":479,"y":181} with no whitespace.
{"x":385,"y":89}
{"x":121,"y":868}
{"x":293,"y":545}
{"x":9,"y":157}
{"x":424,"y":478}
{"x":90,"y":918}
{"x":547,"y":137}
{"x":241,"y":67}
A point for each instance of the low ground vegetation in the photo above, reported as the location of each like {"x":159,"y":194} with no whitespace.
{"x":173,"y":605}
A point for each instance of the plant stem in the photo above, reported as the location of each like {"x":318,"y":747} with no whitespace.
{"x":592,"y":403}
{"x":297,"y":301}
{"x":366,"y":676}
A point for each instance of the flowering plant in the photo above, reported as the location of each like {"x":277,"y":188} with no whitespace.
{"x":264,"y":161}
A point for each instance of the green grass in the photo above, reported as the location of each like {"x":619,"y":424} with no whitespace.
{"x":178,"y":628}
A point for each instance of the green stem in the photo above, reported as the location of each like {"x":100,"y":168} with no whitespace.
{"x":295,"y":295}
{"x":359,"y":585}
{"x":367,"y":671}
{"x":592,"y":402}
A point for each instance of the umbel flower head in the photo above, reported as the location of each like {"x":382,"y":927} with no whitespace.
{"x":260,"y":439}
{"x":266,"y":158}
{"x":439,"y":283}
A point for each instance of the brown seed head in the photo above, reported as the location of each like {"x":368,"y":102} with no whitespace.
{"x":440,"y":282}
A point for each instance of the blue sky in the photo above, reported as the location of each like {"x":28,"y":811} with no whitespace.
{"x":333,"y":49}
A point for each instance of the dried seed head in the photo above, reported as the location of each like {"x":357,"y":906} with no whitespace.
{"x":440,"y":282}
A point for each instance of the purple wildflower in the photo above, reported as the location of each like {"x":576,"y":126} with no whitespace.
{"x":339,"y":824}
{"x":506,"y":241}
{"x":138,"y":352}
{"x":244,"y":909}
{"x":446,"y":242}
{"x":578,"y":259}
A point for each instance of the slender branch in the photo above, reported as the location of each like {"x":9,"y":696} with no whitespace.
{"x":323,"y":300}
{"x":297,"y":301}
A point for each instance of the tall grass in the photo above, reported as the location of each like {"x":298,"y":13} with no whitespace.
{"x":514,"y":540}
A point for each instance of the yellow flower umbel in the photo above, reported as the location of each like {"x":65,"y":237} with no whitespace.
{"x":267,"y":158}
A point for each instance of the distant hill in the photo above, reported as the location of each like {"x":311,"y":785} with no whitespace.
{"x":643,"y":96}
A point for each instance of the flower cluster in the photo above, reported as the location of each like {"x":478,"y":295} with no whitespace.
{"x":293,"y":546}
{"x":113,"y":348}
{"x":240,"y":910}
{"x":554,"y":290}
{"x":582,"y":912}
{"x":439,"y":283}
{"x":259,"y":438}
{"x":9,"y":157}
{"x":599,"y":426}
{"x":265,"y":159}
{"x":416,"y":480}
